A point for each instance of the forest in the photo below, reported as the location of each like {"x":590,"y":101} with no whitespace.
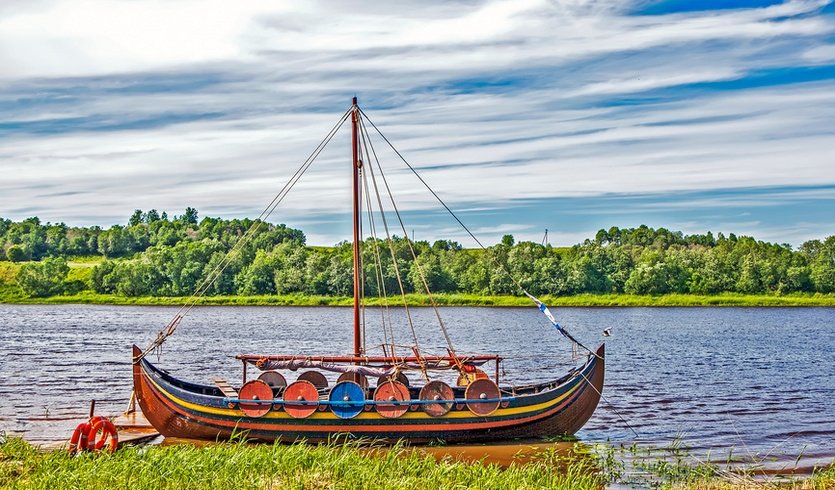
{"x":154,"y":255}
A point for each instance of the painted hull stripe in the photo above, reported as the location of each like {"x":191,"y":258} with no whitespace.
{"x":241,"y":423}
{"x":501,"y":412}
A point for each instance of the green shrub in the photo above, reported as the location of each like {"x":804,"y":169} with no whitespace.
{"x":15,"y":253}
{"x":39,"y":280}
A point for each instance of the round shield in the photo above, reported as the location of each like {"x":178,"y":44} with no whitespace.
{"x":392,"y":391}
{"x":440,"y":392}
{"x":347,"y":399}
{"x":400,"y":377}
{"x":357,"y":378}
{"x":300,"y":399}
{"x":274,"y":379}
{"x":261,"y":395}
{"x":465,"y":378}
{"x":482,"y":389}
{"x":318,"y":379}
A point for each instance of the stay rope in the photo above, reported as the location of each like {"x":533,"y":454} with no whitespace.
{"x":411,"y":248}
{"x":416,"y":347}
{"x":378,"y":272}
{"x":209,"y":279}
{"x":502,"y":266}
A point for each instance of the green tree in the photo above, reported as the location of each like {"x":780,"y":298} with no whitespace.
{"x":657,"y":273}
{"x":107,"y":276}
{"x":290,"y":268}
{"x":190,"y":216}
{"x":258,"y":277}
{"x":135,"y":218}
{"x":16,"y":253}
{"x":822,"y":255}
{"x":138,"y":278}
{"x":43,"y":279}
{"x":151,"y":216}
{"x":428,"y":266}
{"x":116,"y":242}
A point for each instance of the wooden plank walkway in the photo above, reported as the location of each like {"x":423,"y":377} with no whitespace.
{"x":133,"y":428}
{"x":225,"y":388}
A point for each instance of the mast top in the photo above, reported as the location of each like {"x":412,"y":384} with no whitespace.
{"x":354,"y":102}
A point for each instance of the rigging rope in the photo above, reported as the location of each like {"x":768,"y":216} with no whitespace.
{"x":536,"y":301}
{"x":411,"y":248}
{"x":248,"y":235}
{"x":363,"y":135}
{"x":378,"y":270}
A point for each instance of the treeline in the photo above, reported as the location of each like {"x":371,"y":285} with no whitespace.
{"x":155,"y":255}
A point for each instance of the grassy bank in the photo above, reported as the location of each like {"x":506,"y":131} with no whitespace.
{"x":11,"y":294}
{"x":238,"y":465}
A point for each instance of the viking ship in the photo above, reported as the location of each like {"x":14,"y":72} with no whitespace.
{"x":410,"y":400}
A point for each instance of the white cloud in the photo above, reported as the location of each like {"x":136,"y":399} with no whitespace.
{"x":255,"y":83}
{"x":92,"y":37}
{"x":820,"y":54}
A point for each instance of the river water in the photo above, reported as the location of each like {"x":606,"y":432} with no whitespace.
{"x":757,"y":382}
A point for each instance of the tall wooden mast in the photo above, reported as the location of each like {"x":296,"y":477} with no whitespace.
{"x":356,"y":165}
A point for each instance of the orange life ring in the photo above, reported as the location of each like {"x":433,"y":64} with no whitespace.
{"x":109,"y":434}
{"x":78,"y":441}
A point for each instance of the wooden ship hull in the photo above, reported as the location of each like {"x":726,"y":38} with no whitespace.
{"x":181,"y":409}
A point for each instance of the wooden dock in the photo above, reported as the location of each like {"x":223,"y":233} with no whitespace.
{"x":132,"y":428}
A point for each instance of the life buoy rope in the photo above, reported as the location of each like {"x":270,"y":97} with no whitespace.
{"x":78,"y":441}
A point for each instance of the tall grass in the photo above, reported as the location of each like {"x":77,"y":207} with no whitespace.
{"x":238,"y":465}
{"x":352,"y":465}
{"x":674,"y":466}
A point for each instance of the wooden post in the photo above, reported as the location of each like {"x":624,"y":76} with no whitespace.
{"x":131,"y":403}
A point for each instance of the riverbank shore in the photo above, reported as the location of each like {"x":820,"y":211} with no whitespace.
{"x":241,"y":465}
{"x":12,"y":295}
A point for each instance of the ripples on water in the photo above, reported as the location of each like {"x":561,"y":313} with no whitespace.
{"x":758,"y":380}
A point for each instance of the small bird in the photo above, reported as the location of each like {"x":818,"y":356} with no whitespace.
{"x":607,"y":332}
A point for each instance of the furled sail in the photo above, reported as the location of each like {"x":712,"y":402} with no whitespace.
{"x":364,"y":369}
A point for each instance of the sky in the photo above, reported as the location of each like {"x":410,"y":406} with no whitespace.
{"x":522,"y":115}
